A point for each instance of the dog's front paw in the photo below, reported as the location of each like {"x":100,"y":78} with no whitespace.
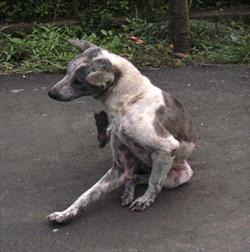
{"x":58,"y":217}
{"x":127,"y":198}
{"x":61,"y":217}
{"x":141,"y":204}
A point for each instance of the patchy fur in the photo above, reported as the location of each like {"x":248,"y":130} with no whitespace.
{"x":151,"y":133}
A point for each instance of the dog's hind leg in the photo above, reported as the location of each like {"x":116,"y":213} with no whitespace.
{"x":179,"y":174}
{"x":110,"y":181}
{"x":181,"y":171}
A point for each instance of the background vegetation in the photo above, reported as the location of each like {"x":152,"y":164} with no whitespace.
{"x":44,"y":47}
{"x":95,"y":10}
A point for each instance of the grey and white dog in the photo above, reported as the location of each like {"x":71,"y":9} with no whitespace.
{"x":151,"y":134}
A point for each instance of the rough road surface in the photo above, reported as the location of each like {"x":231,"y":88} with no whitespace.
{"x":49,"y":156}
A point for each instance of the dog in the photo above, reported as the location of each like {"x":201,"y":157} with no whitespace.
{"x":151,"y":133}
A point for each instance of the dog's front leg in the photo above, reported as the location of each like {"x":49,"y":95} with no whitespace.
{"x":110,"y":181}
{"x":162,"y":162}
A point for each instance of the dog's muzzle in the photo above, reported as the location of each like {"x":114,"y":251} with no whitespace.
{"x":55,"y":95}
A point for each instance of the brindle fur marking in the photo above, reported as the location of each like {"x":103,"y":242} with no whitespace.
{"x":173,"y":117}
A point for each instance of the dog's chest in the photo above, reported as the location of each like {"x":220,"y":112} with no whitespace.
{"x":122,"y":132}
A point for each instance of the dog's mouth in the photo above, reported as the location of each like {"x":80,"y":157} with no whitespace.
{"x":70,"y":95}
{"x":59,"y":97}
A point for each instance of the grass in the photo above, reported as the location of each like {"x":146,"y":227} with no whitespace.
{"x":44,"y":48}
{"x":221,"y":42}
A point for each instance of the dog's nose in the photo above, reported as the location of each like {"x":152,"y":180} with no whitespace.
{"x":53,"y":94}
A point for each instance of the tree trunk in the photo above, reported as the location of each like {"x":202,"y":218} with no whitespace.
{"x":179,"y":25}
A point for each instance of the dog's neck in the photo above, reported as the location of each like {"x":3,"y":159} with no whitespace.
{"x":130,"y":83}
{"x":126,"y":89}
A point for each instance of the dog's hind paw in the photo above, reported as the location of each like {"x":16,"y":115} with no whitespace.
{"x":141,"y":204}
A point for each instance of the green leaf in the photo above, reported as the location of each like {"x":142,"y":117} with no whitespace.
{"x":15,"y":40}
{"x":104,"y":32}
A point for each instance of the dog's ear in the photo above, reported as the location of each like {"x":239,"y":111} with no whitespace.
{"x":81,"y":45}
{"x":101,"y":73}
{"x":100,"y":78}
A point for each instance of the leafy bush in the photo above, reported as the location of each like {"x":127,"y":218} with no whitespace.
{"x":221,"y":42}
{"x":30,"y":10}
{"x":216,"y":3}
{"x":45,"y":48}
{"x":38,"y":10}
{"x":95,"y":13}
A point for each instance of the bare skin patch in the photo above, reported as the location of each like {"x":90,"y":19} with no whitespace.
{"x":178,"y":175}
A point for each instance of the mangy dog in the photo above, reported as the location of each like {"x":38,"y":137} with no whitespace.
{"x":151,"y":133}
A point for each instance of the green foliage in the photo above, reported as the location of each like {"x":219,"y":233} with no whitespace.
{"x":221,"y":42}
{"x":95,"y":13}
{"x":215,"y":3}
{"x":30,"y":10}
{"x":141,"y":28}
{"x":44,"y":48}
{"x":92,"y":12}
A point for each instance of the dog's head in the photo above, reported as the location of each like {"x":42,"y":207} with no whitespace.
{"x":89,"y":74}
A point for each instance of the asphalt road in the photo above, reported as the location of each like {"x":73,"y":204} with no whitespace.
{"x":49,"y":156}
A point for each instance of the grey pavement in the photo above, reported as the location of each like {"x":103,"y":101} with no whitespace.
{"x":49,"y":156}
